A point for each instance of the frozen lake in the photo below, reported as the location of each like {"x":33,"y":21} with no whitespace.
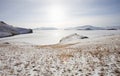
{"x":43,"y":37}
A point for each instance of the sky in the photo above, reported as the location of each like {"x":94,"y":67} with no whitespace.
{"x":60,"y":13}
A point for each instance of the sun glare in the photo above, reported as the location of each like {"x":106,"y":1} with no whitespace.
{"x":56,"y":14}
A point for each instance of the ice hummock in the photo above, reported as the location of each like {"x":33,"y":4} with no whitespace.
{"x":72,"y":38}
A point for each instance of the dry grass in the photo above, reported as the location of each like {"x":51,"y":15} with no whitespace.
{"x":56,"y":46}
{"x":64,"y":57}
{"x":101,"y":58}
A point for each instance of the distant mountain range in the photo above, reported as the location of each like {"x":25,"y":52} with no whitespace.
{"x":113,"y":27}
{"x":90,"y":27}
{"x":84,"y":27}
{"x":7,"y":30}
{"x":46,"y":28}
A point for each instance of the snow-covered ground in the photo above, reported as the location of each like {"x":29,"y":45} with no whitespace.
{"x":92,"y":57}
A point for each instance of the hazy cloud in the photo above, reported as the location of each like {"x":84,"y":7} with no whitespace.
{"x":33,"y":13}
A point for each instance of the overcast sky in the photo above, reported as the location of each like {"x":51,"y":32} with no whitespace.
{"x":60,"y":13}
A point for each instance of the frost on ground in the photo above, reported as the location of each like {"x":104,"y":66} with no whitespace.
{"x":99,"y":57}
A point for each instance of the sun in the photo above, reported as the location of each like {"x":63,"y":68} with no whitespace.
{"x":56,"y":14}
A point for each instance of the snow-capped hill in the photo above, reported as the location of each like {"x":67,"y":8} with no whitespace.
{"x":89,"y":27}
{"x":23,"y":30}
{"x":86,"y":27}
{"x":72,"y":38}
{"x":8,"y":30}
{"x":46,"y":28}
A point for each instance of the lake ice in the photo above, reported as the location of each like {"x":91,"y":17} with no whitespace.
{"x":45,"y":37}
